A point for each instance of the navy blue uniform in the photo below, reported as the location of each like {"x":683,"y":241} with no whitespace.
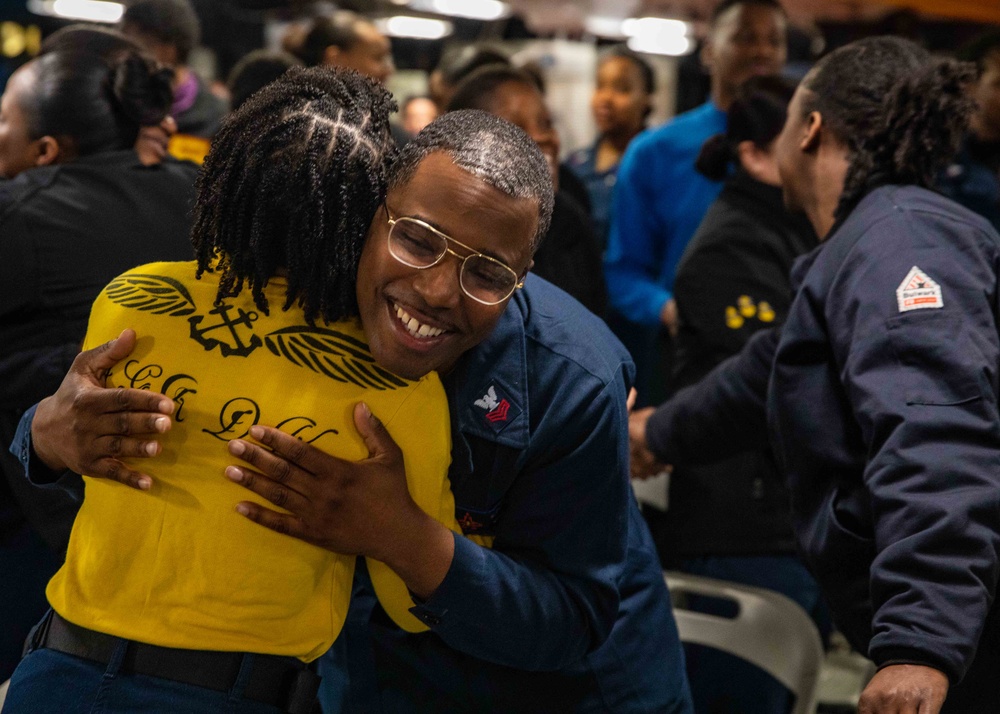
{"x":568,"y":611}
{"x":882,"y":410}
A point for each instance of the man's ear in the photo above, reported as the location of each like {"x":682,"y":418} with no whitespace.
{"x":331,"y":56}
{"x":47,"y":151}
{"x":812,"y":132}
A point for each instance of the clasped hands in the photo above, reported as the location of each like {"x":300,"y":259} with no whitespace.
{"x":642,"y":463}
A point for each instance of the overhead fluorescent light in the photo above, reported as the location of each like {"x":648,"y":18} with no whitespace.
{"x":658,"y":35}
{"x":471,"y":9}
{"x":603,"y":26}
{"x":88,"y":10}
{"x":421,"y":28}
{"x":673,"y":46}
{"x":654,"y":26}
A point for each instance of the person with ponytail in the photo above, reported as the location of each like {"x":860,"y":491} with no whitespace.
{"x":77,"y":207}
{"x":880,"y":391}
{"x":729,"y":519}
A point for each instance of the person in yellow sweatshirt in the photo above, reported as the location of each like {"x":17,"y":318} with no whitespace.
{"x":208,"y":611}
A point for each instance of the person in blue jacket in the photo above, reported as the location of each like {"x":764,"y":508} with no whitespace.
{"x":559,"y":605}
{"x":881,"y":388}
{"x":660,"y":198}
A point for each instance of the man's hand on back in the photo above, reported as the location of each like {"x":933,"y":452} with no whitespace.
{"x":88,"y":428}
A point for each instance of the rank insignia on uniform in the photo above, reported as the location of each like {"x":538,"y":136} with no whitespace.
{"x":918,"y":291}
{"x":496,"y":409}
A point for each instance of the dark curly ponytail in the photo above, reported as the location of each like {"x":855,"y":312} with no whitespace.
{"x":901,"y":112}
{"x":757,"y":114}
{"x":141,"y":91}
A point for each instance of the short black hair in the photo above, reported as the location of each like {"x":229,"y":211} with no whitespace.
{"x":490,"y":148}
{"x":725,"y":5}
{"x":336,"y":30}
{"x":173,"y":22}
{"x":644,"y":67}
{"x":476,"y":90}
{"x":292,"y":181}
{"x":900,"y":112}
{"x":255,"y":70}
{"x":458,"y":64}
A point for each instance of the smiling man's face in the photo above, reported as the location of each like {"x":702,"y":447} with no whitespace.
{"x":391,"y":295}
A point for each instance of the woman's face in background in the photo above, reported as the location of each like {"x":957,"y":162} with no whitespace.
{"x":17,"y":150}
{"x":620,"y":102}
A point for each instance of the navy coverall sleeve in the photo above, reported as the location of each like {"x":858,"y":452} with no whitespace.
{"x":922,"y":385}
{"x":547,"y":593}
{"x":723,"y":414}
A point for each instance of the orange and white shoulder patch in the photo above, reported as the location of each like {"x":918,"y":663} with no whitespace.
{"x":918,"y":291}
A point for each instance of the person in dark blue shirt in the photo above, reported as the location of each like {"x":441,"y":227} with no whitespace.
{"x":560,"y":604}
{"x":882,"y":386}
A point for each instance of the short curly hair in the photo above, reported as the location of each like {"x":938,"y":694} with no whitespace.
{"x":490,"y":148}
{"x":172,"y":22}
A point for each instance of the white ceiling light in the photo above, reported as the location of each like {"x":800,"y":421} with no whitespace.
{"x":658,"y":35}
{"x":673,"y":46}
{"x":472,"y":9}
{"x":89,"y":10}
{"x":421,"y":28}
{"x":604,"y":26}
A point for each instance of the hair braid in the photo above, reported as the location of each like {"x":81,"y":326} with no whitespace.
{"x":291,"y":183}
{"x":900,"y":112}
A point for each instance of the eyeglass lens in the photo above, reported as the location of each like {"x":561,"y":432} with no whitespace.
{"x":481,"y":278}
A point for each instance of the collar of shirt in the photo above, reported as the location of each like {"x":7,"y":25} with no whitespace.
{"x":488,"y":388}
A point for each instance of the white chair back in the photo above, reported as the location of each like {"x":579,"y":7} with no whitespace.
{"x":769,"y":630}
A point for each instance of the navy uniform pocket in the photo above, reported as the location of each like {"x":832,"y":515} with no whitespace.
{"x":938,"y":363}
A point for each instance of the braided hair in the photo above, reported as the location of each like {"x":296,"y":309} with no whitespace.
{"x":901,"y":112}
{"x":292,"y":181}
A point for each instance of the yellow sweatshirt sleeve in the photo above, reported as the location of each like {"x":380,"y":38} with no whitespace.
{"x":422,"y":429}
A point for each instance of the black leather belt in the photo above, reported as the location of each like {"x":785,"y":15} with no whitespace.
{"x":283,"y":682}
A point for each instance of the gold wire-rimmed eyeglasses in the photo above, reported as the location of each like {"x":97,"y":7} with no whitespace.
{"x":420,"y":245}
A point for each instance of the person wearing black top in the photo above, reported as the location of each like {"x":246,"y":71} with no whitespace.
{"x":730,"y":519}
{"x":77,"y":208}
{"x":569,"y":255}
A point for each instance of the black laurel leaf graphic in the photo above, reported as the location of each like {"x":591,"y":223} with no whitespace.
{"x":332,"y":353}
{"x":151,"y":293}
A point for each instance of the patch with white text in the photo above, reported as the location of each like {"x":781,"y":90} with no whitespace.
{"x":918,"y":291}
